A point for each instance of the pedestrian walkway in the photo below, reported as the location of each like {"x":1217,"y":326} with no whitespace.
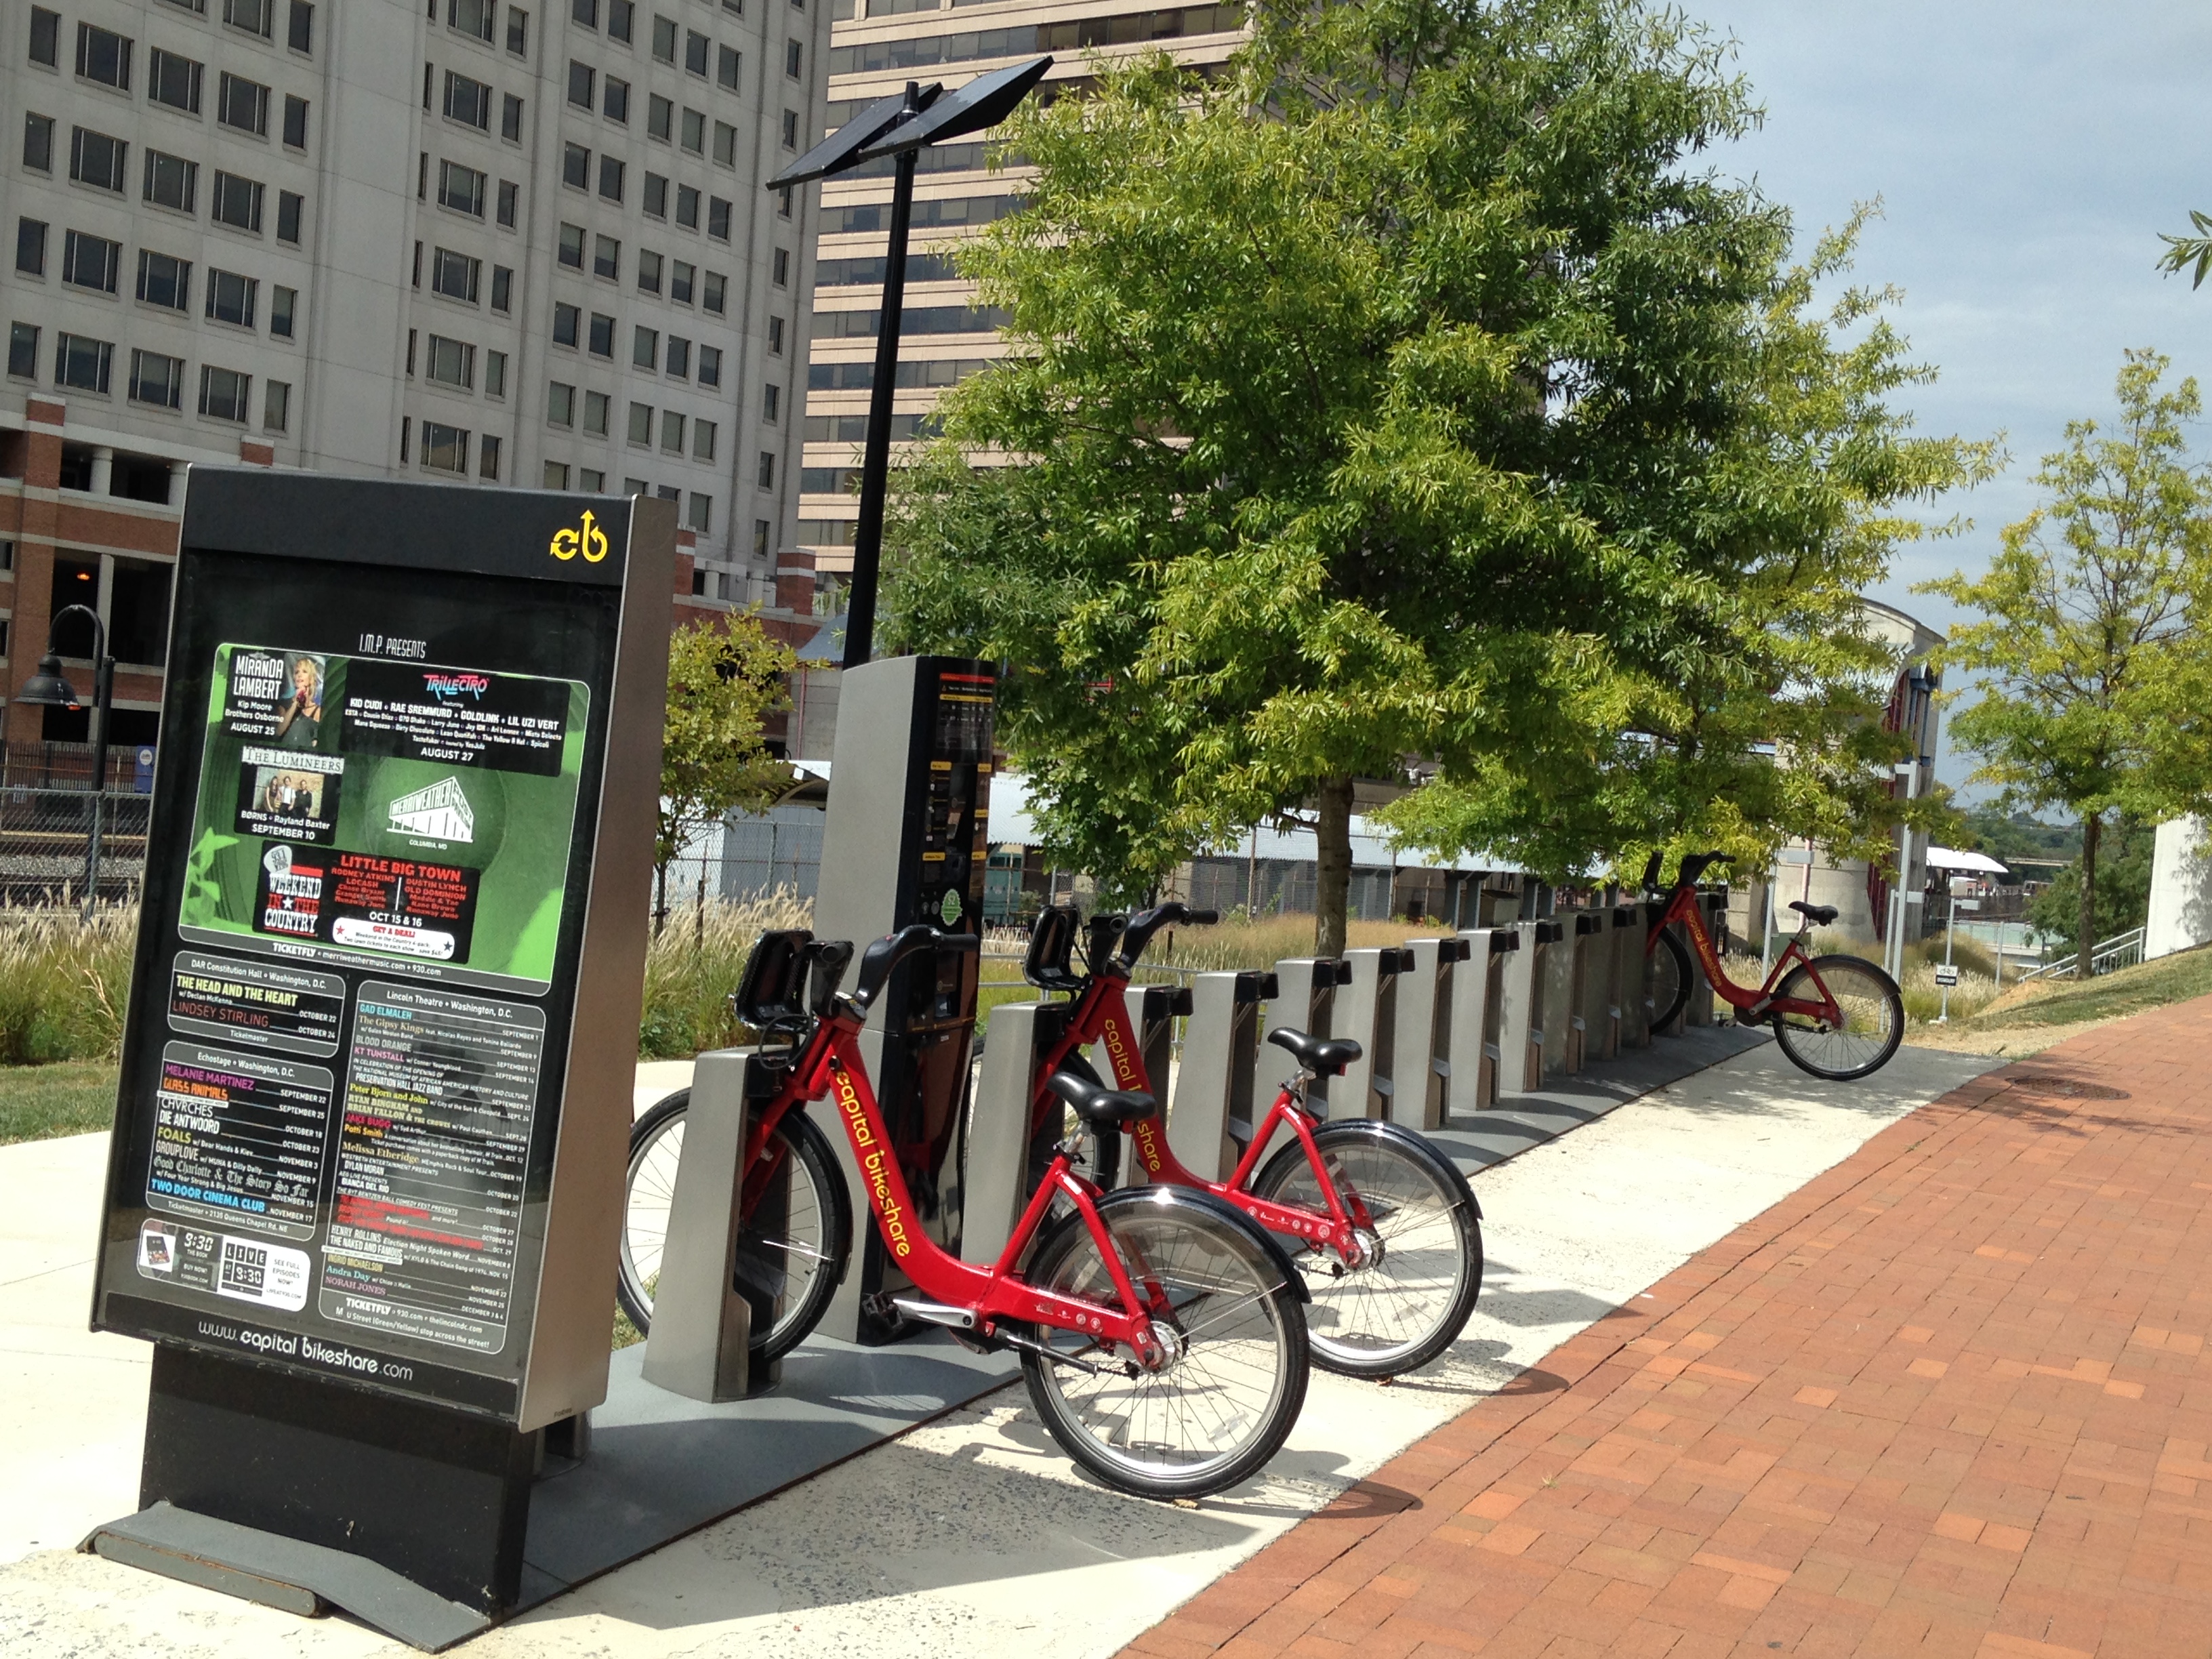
{"x":1951,"y":1397}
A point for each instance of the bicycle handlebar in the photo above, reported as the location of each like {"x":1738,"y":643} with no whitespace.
{"x":885,"y":954}
{"x":1142,"y":926}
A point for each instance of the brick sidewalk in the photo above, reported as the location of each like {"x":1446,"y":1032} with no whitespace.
{"x":1950,"y":1398}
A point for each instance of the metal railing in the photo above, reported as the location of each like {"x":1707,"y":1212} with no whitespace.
{"x":43,"y":835}
{"x":2121,"y":951}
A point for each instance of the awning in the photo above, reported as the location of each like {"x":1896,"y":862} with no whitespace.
{"x":1949,"y":858}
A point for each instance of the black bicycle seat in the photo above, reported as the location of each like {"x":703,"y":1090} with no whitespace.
{"x":1322,"y":1056}
{"x":1097,"y":1105}
{"x":1819,"y":915}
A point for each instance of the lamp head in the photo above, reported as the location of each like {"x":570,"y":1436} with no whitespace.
{"x":48,"y":687}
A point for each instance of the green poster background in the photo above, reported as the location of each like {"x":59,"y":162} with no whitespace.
{"x":520,"y":841}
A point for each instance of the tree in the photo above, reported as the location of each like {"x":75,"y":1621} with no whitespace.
{"x":1407,"y":391}
{"x":2087,"y":638}
{"x":722,"y":683}
{"x":2123,"y":895}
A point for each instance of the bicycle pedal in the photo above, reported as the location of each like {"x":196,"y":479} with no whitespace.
{"x":935,"y":1313}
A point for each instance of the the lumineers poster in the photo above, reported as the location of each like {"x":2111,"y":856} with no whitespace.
{"x":395,"y":834}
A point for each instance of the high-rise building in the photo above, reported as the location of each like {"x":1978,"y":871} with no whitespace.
{"x":465,"y":241}
{"x":876,"y":47}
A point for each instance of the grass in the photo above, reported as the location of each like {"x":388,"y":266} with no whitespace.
{"x":39,"y":1103}
{"x":2172,"y":979}
{"x":692,"y":966}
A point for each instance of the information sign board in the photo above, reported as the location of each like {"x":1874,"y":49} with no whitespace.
{"x":1946,"y":972}
{"x":376,"y":1085}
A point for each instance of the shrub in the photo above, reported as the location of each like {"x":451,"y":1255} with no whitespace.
{"x":692,"y":966}
{"x":63,"y":984}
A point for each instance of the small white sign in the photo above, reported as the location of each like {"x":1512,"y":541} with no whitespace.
{"x":1946,"y":972}
{"x":1969,"y":904}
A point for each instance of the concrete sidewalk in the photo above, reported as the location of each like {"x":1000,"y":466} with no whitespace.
{"x":1951,"y":1398}
{"x":972,"y":1532}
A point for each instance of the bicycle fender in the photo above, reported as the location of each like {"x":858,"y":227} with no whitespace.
{"x":1168,"y":1197}
{"x":1420,"y":1145}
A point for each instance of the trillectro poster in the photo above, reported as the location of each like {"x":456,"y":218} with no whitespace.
{"x":357,"y":809}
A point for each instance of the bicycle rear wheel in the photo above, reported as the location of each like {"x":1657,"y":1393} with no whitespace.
{"x":1224,"y":1404}
{"x":795,"y":1264}
{"x":1409,"y":1301}
{"x":1871,"y":1027}
{"x":1671,"y":979}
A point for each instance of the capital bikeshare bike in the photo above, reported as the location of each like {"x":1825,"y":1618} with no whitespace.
{"x":1162,"y":1336}
{"x":1837,"y":1016}
{"x":1382,"y":1224}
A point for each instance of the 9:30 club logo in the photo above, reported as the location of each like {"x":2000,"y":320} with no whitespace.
{"x":586,"y":539}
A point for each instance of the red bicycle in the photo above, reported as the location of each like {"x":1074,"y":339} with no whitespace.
{"x":1162,"y":1334}
{"x":1835,"y":1017}
{"x":1384,"y":1226}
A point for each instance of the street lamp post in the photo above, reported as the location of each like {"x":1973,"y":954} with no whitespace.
{"x":49,"y":688}
{"x":902,"y":126}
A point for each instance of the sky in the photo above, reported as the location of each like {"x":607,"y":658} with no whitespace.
{"x":2027,"y":156}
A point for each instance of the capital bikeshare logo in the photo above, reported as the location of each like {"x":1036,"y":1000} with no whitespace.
{"x":874,"y":1156}
{"x":587,"y":538}
{"x":1127,"y":1076}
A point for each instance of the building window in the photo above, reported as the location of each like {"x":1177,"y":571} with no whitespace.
{"x":649,"y":271}
{"x":38,"y":143}
{"x":296,"y":122}
{"x":518,"y":32}
{"x":157,"y":380}
{"x":703,"y":441}
{"x":502,"y":288}
{"x":771,"y":402}
{"x":494,"y":374}
{"x":473,"y":18}
{"x":614,"y":102}
{"x":31,"y":247}
{"x":664,"y":40}
{"x":610,"y":178}
{"x":701,"y":517}
{"x":596,"y":407}
{"x":678,"y":360}
{"x":45,"y":37}
{"x":714,"y":298}
{"x":645,"y":348}
{"x":656,"y":196}
{"x":780,"y":268}
{"x":300,"y":27}
{"x":254,"y":16}
{"x":103,"y":56}
{"x":680,"y":276}
{"x":243,"y":105}
{"x":671,"y":432}
{"x":584,"y":12}
{"x":570,"y":252}
{"x":576,"y":166}
{"x":555,"y":476}
{"x":230,"y":298}
{"x":660,"y":119}
{"x":581,"y":85}
{"x":452,"y":363}
{"x":510,"y":199}
{"x":173,"y":80}
{"x":171,"y":180}
{"x":23,"y":351}
{"x":225,"y":394}
{"x":237,"y":202}
{"x":710,"y":366}
{"x":696,"y":48}
{"x":794,"y":58}
{"x":444,"y":448}
{"x":566,"y":321}
{"x":766,"y":474}
{"x":275,"y":406}
{"x":406,"y":424}
{"x":718,"y":219}
{"x":289,"y":204}
{"x":411,"y":353}
{"x":760,"y":538}
{"x":461,"y":189}
{"x":725,"y":144}
{"x":621,"y":19}
{"x":510,"y":119}
{"x":728,"y":65}
{"x":283,"y":305}
{"x":488,"y":458}
{"x":687,"y":207}
{"x":640,"y":425}
{"x":97,"y":160}
{"x":695,"y":131}
{"x":165,"y":280}
{"x":602,"y":341}
{"x":606,"y":258}
{"x":455,"y":275}
{"x":791,"y":128}
{"x":468,"y":102}
{"x":783,"y":203}
{"x":776,"y":337}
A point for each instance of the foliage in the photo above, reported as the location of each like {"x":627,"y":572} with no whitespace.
{"x":2123,"y":882}
{"x":64,"y":983}
{"x":2087,"y":625}
{"x":693,"y":965}
{"x":40,"y":1103}
{"x":2183,"y":252}
{"x":2005,"y":836}
{"x":1409,"y":390}
{"x":723,"y":683}
{"x":2154,"y":984}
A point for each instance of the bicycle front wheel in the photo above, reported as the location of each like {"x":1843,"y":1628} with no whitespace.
{"x":1870,"y":1026}
{"x":1670,"y":979}
{"x":1410,"y":1297}
{"x":792,"y":1261}
{"x":1224,"y":1404}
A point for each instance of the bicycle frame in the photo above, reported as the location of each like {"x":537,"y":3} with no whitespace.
{"x":1101,"y":1014}
{"x":829,"y":1063}
{"x":1682,"y":906}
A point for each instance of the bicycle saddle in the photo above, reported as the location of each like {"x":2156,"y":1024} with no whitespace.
{"x":1097,"y":1105}
{"x":1322,"y":1056}
{"x":1819,"y":915}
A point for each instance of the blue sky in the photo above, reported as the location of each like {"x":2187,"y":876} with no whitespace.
{"x":2027,"y":156}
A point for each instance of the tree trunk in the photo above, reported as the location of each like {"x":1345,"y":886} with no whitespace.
{"x":2085,"y":928}
{"x":1334,"y":866}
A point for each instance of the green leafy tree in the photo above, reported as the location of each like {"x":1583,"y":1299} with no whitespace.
{"x":2086,"y":637}
{"x":723,"y":683}
{"x":1410,"y":390}
{"x":2123,"y":895}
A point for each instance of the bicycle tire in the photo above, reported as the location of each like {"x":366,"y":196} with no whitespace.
{"x":1243,"y":1382}
{"x":655,"y":1144}
{"x":1874,"y":998}
{"x":1671,"y":979}
{"x":1426,"y":1218}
